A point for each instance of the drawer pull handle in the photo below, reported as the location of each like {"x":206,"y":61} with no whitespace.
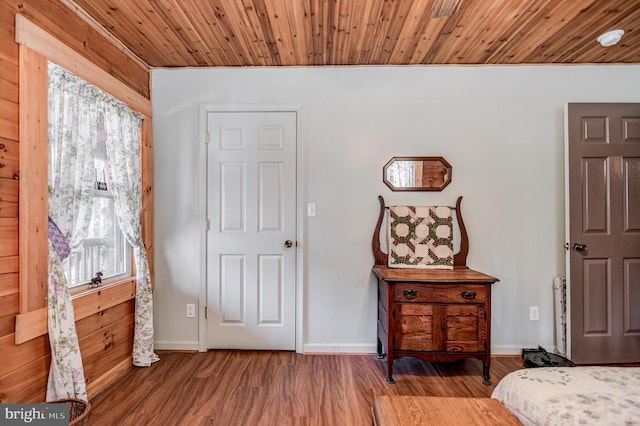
{"x":468,"y":294}
{"x":410,"y":294}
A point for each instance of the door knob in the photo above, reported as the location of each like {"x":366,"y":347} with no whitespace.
{"x":288,"y":244}
{"x":580,"y":247}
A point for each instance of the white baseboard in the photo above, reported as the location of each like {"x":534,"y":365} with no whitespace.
{"x":344,"y":348}
{"x":506,"y":350}
{"x":517,"y":349}
{"x":177,"y":346}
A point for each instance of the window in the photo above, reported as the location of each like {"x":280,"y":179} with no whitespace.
{"x":105,"y":249}
{"x":81,"y":203}
{"x":36,"y":46}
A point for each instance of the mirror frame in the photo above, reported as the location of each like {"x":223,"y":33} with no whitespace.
{"x":443,"y":167}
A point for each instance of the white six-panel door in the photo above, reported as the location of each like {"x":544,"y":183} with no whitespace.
{"x":251,"y":208}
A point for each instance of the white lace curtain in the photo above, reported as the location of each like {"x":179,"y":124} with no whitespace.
{"x":123,"y":152}
{"x":78,"y":112}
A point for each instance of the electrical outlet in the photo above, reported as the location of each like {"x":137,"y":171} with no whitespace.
{"x":534,"y":314}
{"x":191,"y":310}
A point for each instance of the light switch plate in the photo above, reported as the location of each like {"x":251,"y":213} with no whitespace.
{"x":191,"y":310}
{"x":311,"y":209}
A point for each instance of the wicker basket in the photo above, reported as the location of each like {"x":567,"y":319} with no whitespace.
{"x":78,"y":410}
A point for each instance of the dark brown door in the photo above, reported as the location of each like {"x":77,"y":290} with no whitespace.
{"x":604,"y":231}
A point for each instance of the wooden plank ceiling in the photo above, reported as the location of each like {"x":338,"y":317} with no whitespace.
{"x":188,"y":33}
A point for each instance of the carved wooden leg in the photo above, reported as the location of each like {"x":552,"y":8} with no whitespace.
{"x":390,"y":370}
{"x":486,"y":366}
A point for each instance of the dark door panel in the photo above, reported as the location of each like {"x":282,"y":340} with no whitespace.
{"x":604,"y":231}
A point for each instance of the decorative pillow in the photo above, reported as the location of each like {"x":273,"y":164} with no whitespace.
{"x":420,"y":237}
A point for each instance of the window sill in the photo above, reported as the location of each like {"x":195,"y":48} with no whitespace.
{"x":84,"y":290}
{"x":86,"y":302}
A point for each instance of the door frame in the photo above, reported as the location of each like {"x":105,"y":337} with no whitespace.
{"x":204,"y":110}
{"x":567,"y":239}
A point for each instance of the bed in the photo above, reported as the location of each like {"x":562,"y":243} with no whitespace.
{"x":572,"y":396}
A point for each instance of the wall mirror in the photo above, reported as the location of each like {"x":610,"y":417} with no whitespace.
{"x":417,"y":173}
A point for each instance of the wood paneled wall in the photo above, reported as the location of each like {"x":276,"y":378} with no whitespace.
{"x":105,"y":337}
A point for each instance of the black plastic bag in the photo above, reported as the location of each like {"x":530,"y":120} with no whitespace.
{"x":534,"y":358}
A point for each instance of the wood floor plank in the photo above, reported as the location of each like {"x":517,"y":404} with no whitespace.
{"x":278,"y":388}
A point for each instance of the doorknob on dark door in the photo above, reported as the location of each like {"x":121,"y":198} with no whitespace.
{"x":580,"y":247}
{"x":288,"y":244}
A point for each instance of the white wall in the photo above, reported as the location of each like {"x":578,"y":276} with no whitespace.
{"x":501,"y":128}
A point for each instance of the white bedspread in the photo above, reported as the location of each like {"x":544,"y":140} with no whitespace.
{"x":572,"y":396}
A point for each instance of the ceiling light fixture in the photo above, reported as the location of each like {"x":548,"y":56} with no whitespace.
{"x":610,"y":38}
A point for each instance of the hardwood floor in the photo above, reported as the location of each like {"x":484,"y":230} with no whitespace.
{"x":278,"y":388}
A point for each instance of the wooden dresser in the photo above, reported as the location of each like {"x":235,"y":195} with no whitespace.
{"x":437,"y":315}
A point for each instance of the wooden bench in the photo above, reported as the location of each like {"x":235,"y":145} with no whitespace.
{"x":426,"y":410}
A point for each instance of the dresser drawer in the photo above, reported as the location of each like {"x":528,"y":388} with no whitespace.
{"x":444,"y":293}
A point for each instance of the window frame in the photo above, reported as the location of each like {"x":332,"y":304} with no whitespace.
{"x":36,"y":47}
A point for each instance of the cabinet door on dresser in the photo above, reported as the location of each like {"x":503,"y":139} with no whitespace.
{"x":415,"y":327}
{"x":466,"y":327}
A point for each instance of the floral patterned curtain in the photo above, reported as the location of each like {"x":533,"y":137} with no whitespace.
{"x":123,"y":129}
{"x":72,"y":140}
{"x":66,"y":374}
{"x":71,"y":176}
{"x":77,"y":111}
